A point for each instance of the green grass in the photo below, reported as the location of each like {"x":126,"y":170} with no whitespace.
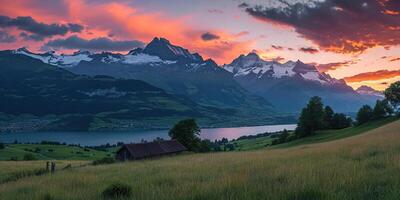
{"x":366,"y":166}
{"x":329,"y":135}
{"x":321,"y":136}
{"x":51,"y":152}
{"x":253,"y":143}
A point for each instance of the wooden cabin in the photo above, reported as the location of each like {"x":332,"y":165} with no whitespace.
{"x":148,"y":150}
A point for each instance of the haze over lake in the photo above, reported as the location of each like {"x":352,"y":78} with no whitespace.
{"x":99,"y":138}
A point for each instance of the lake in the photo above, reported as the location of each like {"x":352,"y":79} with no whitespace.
{"x":99,"y":138}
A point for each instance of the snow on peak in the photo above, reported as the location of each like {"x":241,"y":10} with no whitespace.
{"x":252,"y":64}
{"x":52,"y":58}
{"x":366,"y":90}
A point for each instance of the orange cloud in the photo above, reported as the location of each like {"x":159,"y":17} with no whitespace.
{"x":373,"y":76}
{"x":129,"y":23}
{"x":125,"y":22}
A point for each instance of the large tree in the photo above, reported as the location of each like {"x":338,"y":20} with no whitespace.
{"x":328,"y":117}
{"x":311,"y":118}
{"x":186,"y":132}
{"x":365,"y":114}
{"x":379,"y":110}
{"x":392,"y":94}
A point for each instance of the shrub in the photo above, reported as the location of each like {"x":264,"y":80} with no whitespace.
{"x":105,"y":160}
{"x":48,"y":196}
{"x":14,"y":158}
{"x":29,"y":156}
{"x":117,"y":191}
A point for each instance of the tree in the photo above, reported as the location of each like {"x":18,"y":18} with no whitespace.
{"x":340,"y":121}
{"x":365,"y":114}
{"x":379,"y":110}
{"x":392,"y":94}
{"x":205,"y":146}
{"x":2,"y":146}
{"x":311,"y":118}
{"x":388,"y":108}
{"x":283,"y":136}
{"x":186,"y":132}
{"x":328,"y":116}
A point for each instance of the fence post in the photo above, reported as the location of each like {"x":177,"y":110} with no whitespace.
{"x":53,"y":167}
{"x":47,"y":166}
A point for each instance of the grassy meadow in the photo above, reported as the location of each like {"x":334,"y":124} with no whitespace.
{"x":365,"y":166}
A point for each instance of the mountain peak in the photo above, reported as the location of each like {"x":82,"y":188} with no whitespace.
{"x":303,"y":68}
{"x":162,"y":48}
{"x":366,"y":90}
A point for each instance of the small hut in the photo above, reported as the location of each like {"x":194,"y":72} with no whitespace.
{"x":148,"y":150}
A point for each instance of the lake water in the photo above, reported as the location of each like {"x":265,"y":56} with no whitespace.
{"x":99,"y":138}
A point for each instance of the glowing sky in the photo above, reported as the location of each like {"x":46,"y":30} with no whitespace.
{"x":357,"y":40}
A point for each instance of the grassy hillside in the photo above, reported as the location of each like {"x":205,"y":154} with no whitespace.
{"x":321,"y":136}
{"x":365,"y":166}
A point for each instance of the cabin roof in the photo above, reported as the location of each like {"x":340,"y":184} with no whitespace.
{"x":150,"y":149}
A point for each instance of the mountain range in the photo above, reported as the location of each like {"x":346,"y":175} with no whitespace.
{"x":290,"y":85}
{"x":163,"y":82}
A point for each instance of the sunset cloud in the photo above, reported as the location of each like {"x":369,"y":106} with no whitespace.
{"x":38,"y":30}
{"x":394,"y":59}
{"x":334,"y":66}
{"x":6,"y":38}
{"x":339,"y":26}
{"x":308,"y":50}
{"x":373,"y":76}
{"x":96,"y":44}
{"x":209,"y":36}
{"x":277,"y":47}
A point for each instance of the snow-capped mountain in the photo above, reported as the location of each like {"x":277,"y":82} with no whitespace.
{"x":253,"y":65}
{"x":290,"y":85}
{"x":169,"y":67}
{"x":159,"y":52}
{"x":366,"y":90}
{"x":239,"y":85}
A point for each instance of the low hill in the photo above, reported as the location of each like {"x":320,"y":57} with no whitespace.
{"x":364,"y":166}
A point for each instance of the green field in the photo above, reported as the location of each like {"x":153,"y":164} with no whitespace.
{"x":51,"y":152}
{"x":364,"y":166}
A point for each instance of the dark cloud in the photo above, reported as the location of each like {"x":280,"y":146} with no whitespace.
{"x":6,"y":38}
{"x":373,"y":76}
{"x":394,"y":59}
{"x":216,"y":11}
{"x":97,"y":44}
{"x":335,"y":65}
{"x":277,"y":47}
{"x":36,"y":30}
{"x":209,"y":36}
{"x":341,"y":26}
{"x":308,"y":50}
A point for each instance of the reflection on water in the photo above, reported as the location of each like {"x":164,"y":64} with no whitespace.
{"x":99,"y":138}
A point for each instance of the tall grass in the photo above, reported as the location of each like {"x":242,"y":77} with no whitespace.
{"x":365,"y":166}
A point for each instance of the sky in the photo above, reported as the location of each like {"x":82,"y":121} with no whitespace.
{"x":357,"y":40}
